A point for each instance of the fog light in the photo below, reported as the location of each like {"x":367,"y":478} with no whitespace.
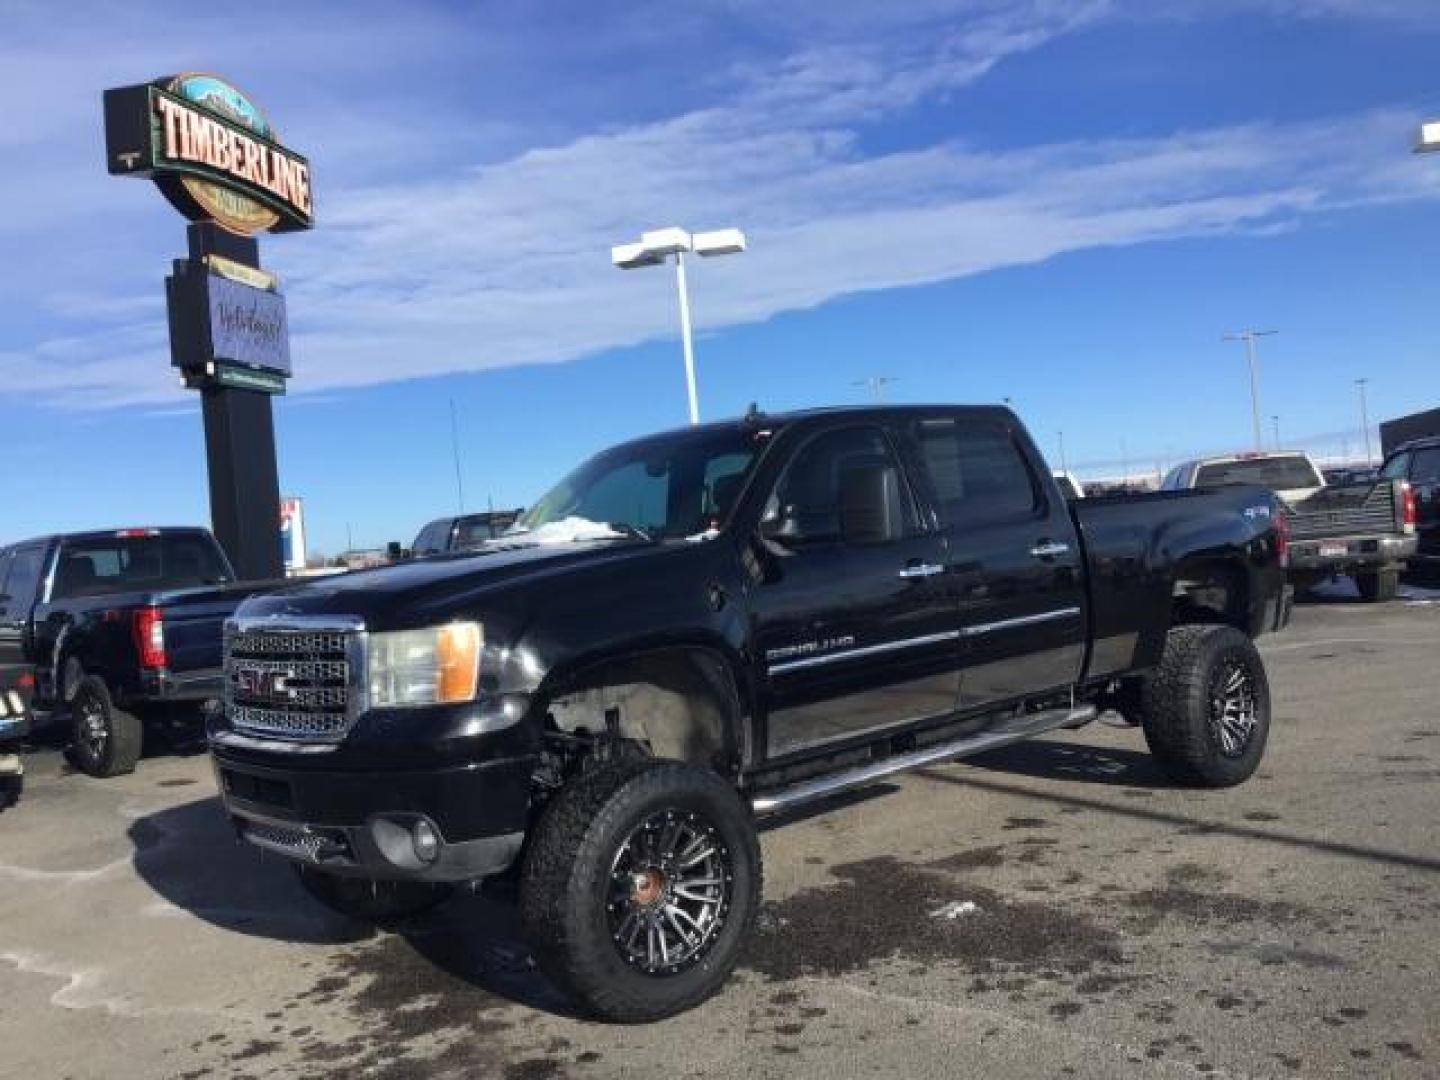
{"x":426,"y":841}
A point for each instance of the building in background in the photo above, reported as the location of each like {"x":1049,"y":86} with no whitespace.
{"x":1402,"y":429}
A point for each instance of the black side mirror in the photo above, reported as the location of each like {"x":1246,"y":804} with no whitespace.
{"x":871,"y":510}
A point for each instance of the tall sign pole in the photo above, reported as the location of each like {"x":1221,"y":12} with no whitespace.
{"x":214,"y":156}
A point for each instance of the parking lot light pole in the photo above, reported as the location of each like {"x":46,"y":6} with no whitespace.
{"x":1248,"y":337}
{"x":653,"y":249}
{"x":1364,"y":417}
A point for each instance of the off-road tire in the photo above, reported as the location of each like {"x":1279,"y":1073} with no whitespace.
{"x":1178,"y":710}
{"x":367,"y":900}
{"x":105,"y":740}
{"x":566,"y":883}
{"x":1376,"y":587}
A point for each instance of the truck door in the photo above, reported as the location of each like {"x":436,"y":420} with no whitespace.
{"x":1014,"y":560}
{"x":20,"y":572}
{"x":853,"y":633}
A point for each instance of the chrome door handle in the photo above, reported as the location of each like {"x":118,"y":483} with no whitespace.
{"x":921,"y":570}
{"x":1049,"y":549}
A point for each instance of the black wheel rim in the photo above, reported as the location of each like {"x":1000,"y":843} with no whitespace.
{"x":669,"y":892}
{"x":1234,"y":707}
{"x":92,"y":731}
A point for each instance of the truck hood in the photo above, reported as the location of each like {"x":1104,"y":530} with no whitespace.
{"x":403,"y":594}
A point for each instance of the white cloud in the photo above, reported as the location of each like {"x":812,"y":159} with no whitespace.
{"x":506,"y":263}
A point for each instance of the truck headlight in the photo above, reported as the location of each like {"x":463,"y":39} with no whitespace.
{"x":439,"y":665}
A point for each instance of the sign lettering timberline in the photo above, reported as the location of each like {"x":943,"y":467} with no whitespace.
{"x":210,"y":151}
{"x":190,"y":139}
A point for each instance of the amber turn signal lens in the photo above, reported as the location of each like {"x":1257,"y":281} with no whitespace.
{"x":457,"y":654}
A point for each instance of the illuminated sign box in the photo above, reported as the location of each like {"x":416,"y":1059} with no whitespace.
{"x":247,"y":326}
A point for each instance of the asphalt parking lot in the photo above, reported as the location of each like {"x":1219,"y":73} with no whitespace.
{"x":1055,"y":909}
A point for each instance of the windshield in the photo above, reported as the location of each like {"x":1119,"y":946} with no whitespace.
{"x":1276,"y":473}
{"x":682,"y":485}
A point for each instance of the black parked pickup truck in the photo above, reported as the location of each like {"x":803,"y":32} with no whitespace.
{"x":702,"y":627}
{"x":1417,"y":464}
{"x":122,"y":628}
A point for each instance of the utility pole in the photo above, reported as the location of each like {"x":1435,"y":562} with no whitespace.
{"x":1364,"y":417}
{"x":1248,"y":337}
{"x":1060,"y":438}
{"x":877,"y":384}
{"x":455,"y":452}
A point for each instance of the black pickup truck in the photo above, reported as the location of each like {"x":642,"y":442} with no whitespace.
{"x":1417,"y":464}
{"x":122,"y":628}
{"x":703,"y":627}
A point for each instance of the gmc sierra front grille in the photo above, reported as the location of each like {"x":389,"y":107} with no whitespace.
{"x":296,"y":684}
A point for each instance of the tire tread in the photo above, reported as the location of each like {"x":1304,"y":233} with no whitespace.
{"x":1178,"y":738}
{"x":575,"y":830}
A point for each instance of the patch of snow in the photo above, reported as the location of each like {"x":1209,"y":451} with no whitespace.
{"x":956,"y":909}
{"x":570,"y":530}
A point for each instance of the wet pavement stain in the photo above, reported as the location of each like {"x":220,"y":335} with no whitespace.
{"x":422,"y":1005}
{"x":1026,"y":823}
{"x":882,"y":909}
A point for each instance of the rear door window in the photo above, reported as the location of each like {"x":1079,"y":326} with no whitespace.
{"x":977,"y":471}
{"x":1276,"y":473}
{"x":120,"y":564}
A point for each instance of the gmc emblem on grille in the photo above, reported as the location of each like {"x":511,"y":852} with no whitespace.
{"x":271,"y":685}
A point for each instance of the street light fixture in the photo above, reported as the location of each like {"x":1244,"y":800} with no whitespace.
{"x":657,"y":246}
{"x":1248,"y":337}
{"x":1427,"y":139}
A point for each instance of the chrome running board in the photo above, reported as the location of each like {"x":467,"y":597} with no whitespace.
{"x":1015,"y":730}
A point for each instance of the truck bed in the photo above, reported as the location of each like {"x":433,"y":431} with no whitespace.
{"x":1131,"y":541}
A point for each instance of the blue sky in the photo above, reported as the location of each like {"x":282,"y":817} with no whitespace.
{"x":1067,"y":204}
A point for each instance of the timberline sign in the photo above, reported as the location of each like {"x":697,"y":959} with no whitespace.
{"x":211,"y":151}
